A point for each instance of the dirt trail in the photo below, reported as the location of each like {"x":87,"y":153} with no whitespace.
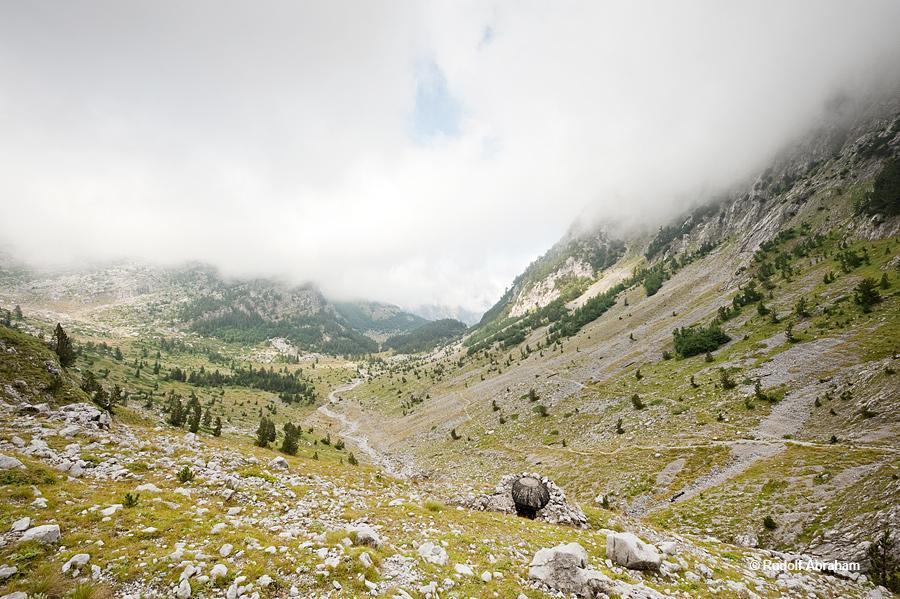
{"x":350,"y":433}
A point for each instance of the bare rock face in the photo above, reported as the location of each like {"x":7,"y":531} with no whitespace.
{"x":557,"y":509}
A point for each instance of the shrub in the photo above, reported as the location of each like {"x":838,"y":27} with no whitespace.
{"x":770,"y":523}
{"x":636,"y":402}
{"x":541,"y":410}
{"x":351,"y":459}
{"x":696,"y":340}
{"x":725,"y":378}
{"x":185,"y":475}
{"x":619,"y":429}
{"x":130,"y":499}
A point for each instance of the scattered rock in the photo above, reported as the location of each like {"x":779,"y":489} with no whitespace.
{"x":7,"y":571}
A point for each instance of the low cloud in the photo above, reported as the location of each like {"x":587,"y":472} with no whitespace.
{"x":408,"y":152}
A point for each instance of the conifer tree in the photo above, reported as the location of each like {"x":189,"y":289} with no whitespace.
{"x":62,"y":345}
{"x":262,"y":433}
{"x":289,"y":444}
{"x":217,"y":429}
{"x":866,"y":294}
{"x":18,"y":312}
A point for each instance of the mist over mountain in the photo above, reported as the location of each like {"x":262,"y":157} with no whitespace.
{"x":415,"y":154}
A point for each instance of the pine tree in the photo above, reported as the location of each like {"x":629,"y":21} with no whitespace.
{"x":118,"y":355}
{"x":883,"y":565}
{"x":289,"y":444}
{"x":271,"y":430}
{"x":207,"y":418}
{"x":262,"y":433}
{"x":194,"y":423}
{"x":62,"y":345}
{"x":217,"y":430}
{"x":18,"y":312}
{"x":351,"y":459}
{"x":176,"y":412}
{"x":866,"y":294}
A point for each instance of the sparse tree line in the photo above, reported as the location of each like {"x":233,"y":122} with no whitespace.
{"x":267,"y":433}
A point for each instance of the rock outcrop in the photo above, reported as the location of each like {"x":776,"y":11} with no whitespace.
{"x":557,"y":510}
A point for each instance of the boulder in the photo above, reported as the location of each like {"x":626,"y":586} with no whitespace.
{"x":279,"y":463}
{"x":434,"y":554}
{"x":564,"y":569}
{"x":7,"y":571}
{"x":109,"y":511}
{"x":21,"y":524}
{"x":218,"y":571}
{"x":45,"y":534}
{"x":147,"y":488}
{"x":556,"y":510}
{"x":76,"y":563}
{"x":366,"y":535}
{"x":626,"y":549}
{"x":9,"y":462}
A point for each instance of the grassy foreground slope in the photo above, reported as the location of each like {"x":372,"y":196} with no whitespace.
{"x":154,"y":511}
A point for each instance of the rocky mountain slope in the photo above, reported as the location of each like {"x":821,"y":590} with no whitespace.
{"x":778,"y":430}
{"x":712,"y":408}
{"x":132,"y":299}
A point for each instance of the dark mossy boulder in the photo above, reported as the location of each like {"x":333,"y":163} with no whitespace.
{"x":529,"y":495}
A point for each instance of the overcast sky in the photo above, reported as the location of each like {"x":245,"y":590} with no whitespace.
{"x":417,"y":153}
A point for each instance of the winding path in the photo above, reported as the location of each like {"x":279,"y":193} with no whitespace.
{"x":350,"y":433}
